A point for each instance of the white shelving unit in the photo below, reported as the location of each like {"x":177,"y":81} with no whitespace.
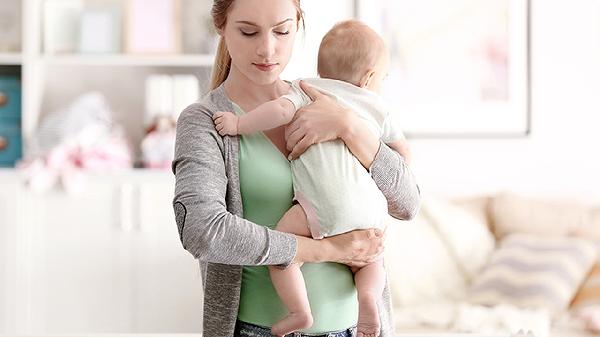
{"x":129,"y":60}
{"x":108,"y":262}
{"x":11,"y":59}
{"x":37,"y":66}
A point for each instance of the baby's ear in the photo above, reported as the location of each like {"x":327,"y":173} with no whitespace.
{"x":366,"y":79}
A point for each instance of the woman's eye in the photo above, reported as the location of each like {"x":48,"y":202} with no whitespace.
{"x":248,"y":33}
{"x":283,"y":33}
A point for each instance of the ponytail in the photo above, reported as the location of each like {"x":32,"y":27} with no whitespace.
{"x":222,"y":65}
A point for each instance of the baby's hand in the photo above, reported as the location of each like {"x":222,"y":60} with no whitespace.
{"x":226,"y":123}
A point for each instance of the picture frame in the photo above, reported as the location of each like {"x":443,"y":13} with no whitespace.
{"x":458,"y":69}
{"x":153,"y":27}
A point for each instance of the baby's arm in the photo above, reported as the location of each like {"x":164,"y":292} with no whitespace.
{"x":401,"y":146}
{"x":265,"y":117}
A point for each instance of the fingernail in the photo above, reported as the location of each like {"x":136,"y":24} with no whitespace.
{"x":290,"y":157}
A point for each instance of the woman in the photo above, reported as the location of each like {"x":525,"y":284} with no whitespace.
{"x":231,"y":191}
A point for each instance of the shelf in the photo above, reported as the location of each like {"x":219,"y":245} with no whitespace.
{"x":129,"y":60}
{"x":10,"y":59}
{"x":12,"y":175}
{"x":122,"y":335}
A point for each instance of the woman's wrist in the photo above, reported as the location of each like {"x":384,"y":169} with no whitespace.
{"x":363,"y":144}
{"x":348,"y":125}
{"x":311,"y":250}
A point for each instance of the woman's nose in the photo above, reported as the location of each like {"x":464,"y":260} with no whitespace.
{"x":266,"y":48}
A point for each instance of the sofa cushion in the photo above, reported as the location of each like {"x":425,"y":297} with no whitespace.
{"x":466,"y":235}
{"x":433,"y":257}
{"x":534,"y":272}
{"x":418,"y":265}
{"x":512,"y":213}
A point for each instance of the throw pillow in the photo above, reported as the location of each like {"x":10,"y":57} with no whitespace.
{"x":419,"y":267}
{"x":467,"y":237}
{"x":512,"y":213}
{"x":534,"y":272}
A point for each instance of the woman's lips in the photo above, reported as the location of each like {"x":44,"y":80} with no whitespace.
{"x":265,"y":66}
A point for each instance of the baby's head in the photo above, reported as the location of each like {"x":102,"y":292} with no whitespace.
{"x":353,"y":52}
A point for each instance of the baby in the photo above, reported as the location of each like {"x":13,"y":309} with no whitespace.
{"x":333,"y":192}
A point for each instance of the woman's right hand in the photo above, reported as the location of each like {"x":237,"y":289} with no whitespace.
{"x":356,"y":248}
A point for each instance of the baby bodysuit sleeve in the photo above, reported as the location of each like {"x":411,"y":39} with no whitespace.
{"x":297,"y":96}
{"x":391,"y":129}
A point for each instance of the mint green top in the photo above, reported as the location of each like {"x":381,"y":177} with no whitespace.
{"x":266,"y":188}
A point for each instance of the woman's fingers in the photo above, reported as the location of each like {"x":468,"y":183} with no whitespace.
{"x":293,"y":139}
{"x":300,"y":147}
{"x":357,"y":248}
{"x":310,"y":90}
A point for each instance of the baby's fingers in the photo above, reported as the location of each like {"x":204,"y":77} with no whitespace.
{"x":218,"y":114}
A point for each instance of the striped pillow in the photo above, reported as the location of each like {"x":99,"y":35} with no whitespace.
{"x":533,"y":272}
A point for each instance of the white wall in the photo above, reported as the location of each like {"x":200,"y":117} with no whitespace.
{"x":561,"y":157}
{"x":319,"y":17}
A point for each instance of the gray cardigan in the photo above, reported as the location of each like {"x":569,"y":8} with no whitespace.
{"x":208,"y":213}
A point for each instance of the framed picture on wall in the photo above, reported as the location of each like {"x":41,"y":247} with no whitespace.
{"x":458,"y":68}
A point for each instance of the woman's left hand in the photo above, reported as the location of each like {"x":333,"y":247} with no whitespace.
{"x":321,"y":121}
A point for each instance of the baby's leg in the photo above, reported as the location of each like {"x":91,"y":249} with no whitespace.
{"x":370,"y":281}
{"x":289,"y":283}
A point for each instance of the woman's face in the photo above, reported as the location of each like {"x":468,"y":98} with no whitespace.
{"x":260,"y":37}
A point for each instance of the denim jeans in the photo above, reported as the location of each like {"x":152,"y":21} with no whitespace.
{"x":243,"y":329}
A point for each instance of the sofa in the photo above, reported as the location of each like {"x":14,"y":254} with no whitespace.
{"x":496,"y":264}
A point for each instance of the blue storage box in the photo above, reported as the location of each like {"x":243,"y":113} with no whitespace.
{"x":10,"y":97}
{"x":10,"y":120}
{"x":10,"y":144}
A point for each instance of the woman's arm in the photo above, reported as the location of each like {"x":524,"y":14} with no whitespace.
{"x":356,"y":248}
{"x":210,"y":232}
{"x":325,"y":120}
{"x":206,"y":227}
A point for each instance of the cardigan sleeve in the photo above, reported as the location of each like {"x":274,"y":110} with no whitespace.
{"x":207,"y":229}
{"x":396,"y":182}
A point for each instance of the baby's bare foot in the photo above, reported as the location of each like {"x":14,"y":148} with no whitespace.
{"x":368,"y":317}
{"x":292,"y":322}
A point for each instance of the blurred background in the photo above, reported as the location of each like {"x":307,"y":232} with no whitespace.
{"x":495,"y":97}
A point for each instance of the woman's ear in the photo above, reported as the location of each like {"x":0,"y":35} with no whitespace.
{"x":366,"y":79}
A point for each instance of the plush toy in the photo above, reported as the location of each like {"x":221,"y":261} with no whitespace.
{"x":74,"y":141}
{"x":158,"y":146}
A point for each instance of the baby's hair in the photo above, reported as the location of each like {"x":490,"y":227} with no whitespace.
{"x":349,"y":50}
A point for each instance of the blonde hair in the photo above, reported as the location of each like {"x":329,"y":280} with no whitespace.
{"x":349,"y":50}
{"x":222,"y":64}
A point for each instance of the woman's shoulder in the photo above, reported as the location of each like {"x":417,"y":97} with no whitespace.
{"x":196,"y":130}
{"x":202,"y":110}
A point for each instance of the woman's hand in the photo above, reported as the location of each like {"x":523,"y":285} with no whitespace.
{"x":320,"y":121}
{"x":356,"y":248}
{"x":324,"y":120}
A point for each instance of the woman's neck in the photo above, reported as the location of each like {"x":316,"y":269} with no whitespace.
{"x":247,"y":94}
